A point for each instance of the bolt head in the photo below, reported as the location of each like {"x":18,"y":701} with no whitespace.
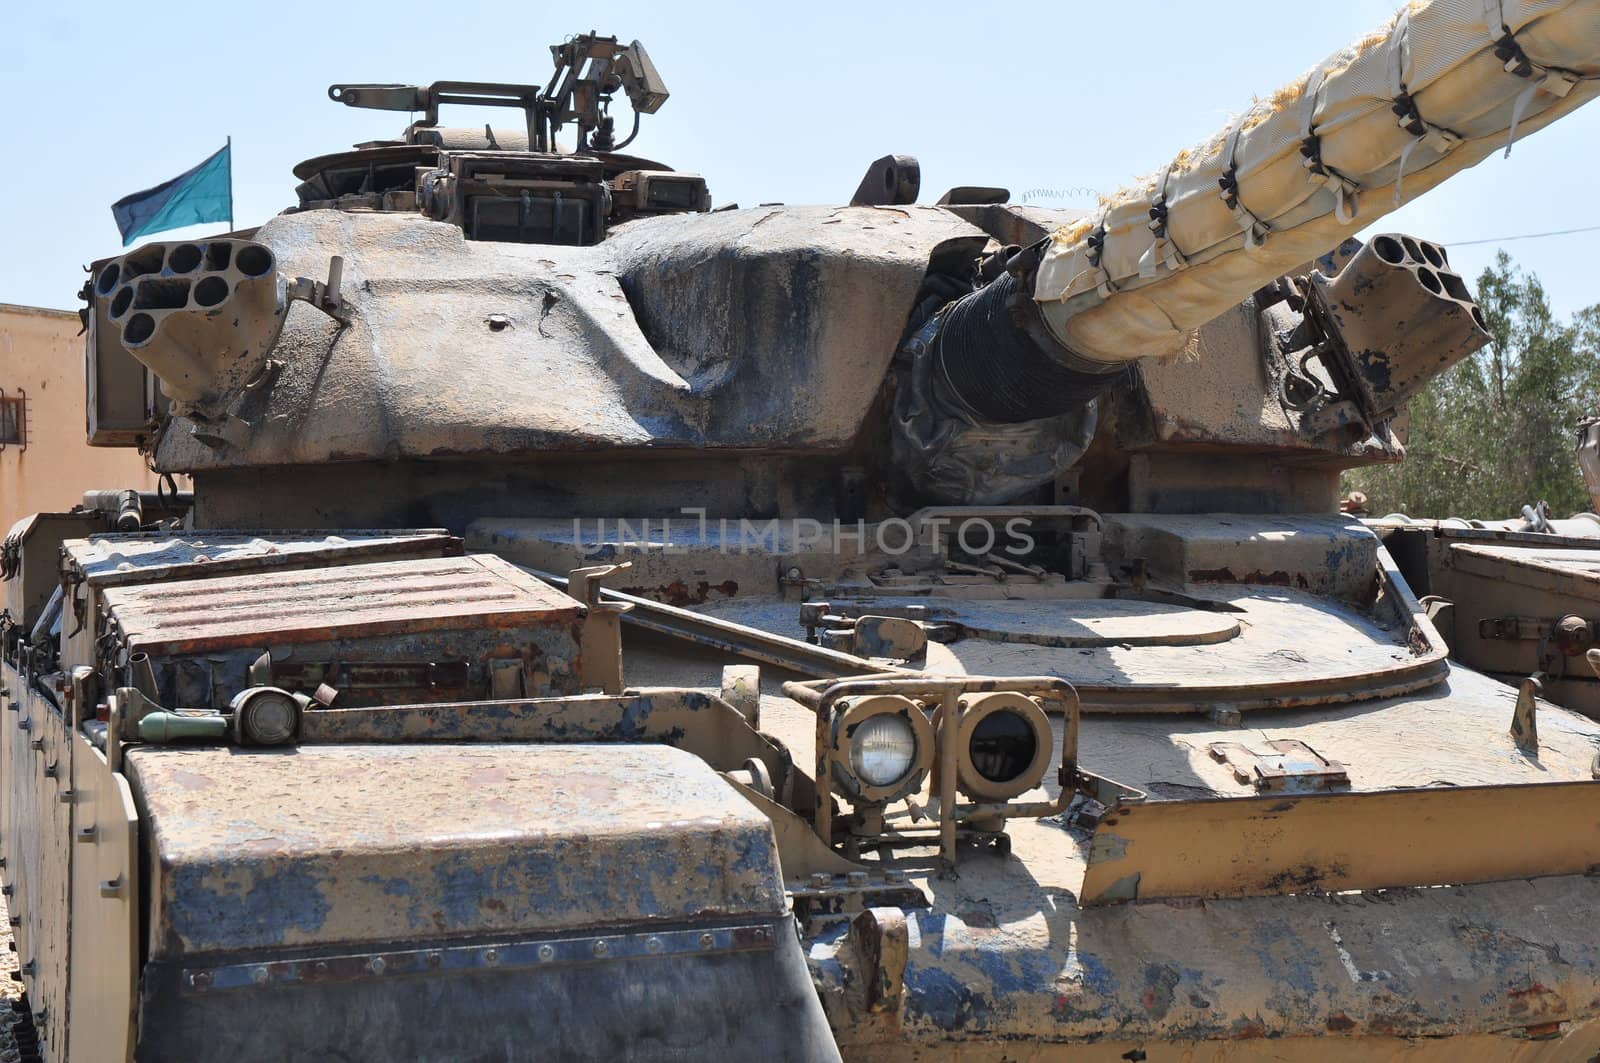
{"x":601,"y":948}
{"x":547,"y":953}
{"x":706,"y":941}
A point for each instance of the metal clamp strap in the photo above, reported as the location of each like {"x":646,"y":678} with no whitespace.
{"x":1255,"y":230}
{"x":1162,"y":247}
{"x":1346,"y":193}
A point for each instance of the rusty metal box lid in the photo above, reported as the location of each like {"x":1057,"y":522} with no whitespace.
{"x":251,"y":609}
{"x":1574,"y":572}
{"x":439,"y":841}
{"x":140,"y":557}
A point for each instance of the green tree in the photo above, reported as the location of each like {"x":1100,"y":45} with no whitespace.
{"x":1497,"y":430}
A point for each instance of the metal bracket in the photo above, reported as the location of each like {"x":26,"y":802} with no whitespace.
{"x":324,"y":296}
{"x":896,"y":639}
{"x":1291,"y":767}
{"x":824,"y":697}
{"x":1525,"y":719}
{"x":881,"y":942}
{"x":600,"y":643}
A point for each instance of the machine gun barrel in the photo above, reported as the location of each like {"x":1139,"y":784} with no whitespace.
{"x":1368,"y":129}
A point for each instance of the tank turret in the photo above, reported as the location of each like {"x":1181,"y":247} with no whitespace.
{"x":954,"y":353}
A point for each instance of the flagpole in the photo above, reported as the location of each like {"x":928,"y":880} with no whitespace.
{"x":230,"y":182}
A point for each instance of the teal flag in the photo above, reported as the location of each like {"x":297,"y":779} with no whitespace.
{"x":201,"y":194}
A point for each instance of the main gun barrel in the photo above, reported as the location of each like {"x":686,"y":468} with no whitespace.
{"x":1368,"y":129}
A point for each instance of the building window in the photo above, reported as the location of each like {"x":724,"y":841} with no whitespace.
{"x":13,"y":419}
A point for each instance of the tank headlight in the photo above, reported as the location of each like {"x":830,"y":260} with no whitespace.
{"x":882,"y":748}
{"x":1005,"y":746}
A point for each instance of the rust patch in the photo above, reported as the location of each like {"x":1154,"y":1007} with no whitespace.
{"x":682,"y":594}
{"x":1270,"y":579}
{"x":1339,"y":1022}
{"x":1536,"y":999}
{"x":1302,"y":878}
{"x":1248,"y":1030}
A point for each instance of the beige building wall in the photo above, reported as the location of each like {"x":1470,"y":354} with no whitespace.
{"x":41,"y":358}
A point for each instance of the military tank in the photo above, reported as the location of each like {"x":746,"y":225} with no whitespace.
{"x":605,"y":626}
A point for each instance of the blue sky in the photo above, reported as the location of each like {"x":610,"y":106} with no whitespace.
{"x":780,"y":104}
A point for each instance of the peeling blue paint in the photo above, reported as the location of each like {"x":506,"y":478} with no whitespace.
{"x":279,"y":902}
{"x":1014,"y":972}
{"x":1285,"y":958}
{"x":632,"y":725}
{"x":1096,"y":975}
{"x":393,"y":887}
{"x":944,"y":998}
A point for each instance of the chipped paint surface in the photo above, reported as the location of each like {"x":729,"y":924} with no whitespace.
{"x":353,"y":601}
{"x":404,"y":630}
{"x":688,"y":719}
{"x":323,"y":845}
{"x":1329,"y":841}
{"x":143,"y":556}
{"x":1411,"y":963}
{"x":1008,"y":964}
{"x":769,"y":339}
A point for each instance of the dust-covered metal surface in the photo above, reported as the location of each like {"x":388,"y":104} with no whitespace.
{"x":1298,"y":843}
{"x":698,"y":722}
{"x":584,"y":348}
{"x":456,"y":852}
{"x":1009,"y":953}
{"x":384,"y":843}
{"x":559,"y":996}
{"x":349,"y":602}
{"x":1512,"y":958}
{"x":1325,"y":554}
{"x":107,"y":902}
{"x":107,"y":560}
{"x":1514,"y":603}
{"x":1292,"y":649}
{"x":416,"y":625}
{"x":1575,"y":572}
